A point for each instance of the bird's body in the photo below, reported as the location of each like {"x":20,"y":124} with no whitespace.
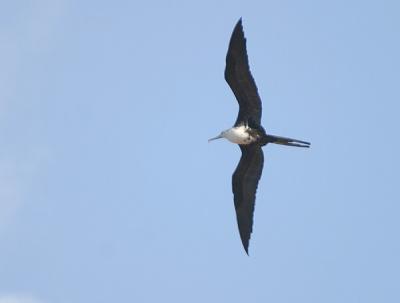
{"x":241,"y":134}
{"x":247,"y":133}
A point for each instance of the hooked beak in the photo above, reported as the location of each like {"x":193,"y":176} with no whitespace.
{"x":215,"y":138}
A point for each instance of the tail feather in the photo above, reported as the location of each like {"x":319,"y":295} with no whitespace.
{"x":287,"y":141}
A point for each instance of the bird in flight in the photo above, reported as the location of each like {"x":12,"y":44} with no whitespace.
{"x":247,"y":133}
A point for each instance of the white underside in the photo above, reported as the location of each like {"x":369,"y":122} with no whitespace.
{"x":238,"y":135}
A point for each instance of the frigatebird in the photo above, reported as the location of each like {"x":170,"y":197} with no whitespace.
{"x":247,"y":132}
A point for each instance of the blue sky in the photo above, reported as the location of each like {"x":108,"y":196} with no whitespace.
{"x":110,"y":192}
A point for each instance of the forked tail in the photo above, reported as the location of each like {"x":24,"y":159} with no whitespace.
{"x":286,"y":141}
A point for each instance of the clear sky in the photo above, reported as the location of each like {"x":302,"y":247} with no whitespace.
{"x":109,"y":191}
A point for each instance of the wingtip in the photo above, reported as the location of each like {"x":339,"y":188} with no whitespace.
{"x":246,"y":247}
{"x":238,"y":32}
{"x":239,"y":23}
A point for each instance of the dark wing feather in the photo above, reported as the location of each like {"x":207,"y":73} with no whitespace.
{"x":244,"y":186}
{"x":239,"y":78}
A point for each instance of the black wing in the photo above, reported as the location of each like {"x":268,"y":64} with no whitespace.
{"x":239,"y":78}
{"x":244,"y":186}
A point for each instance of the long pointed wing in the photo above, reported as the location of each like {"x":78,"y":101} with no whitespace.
{"x":239,"y":78}
{"x":244,"y":186}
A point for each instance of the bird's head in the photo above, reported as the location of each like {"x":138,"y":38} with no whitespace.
{"x":221,"y":135}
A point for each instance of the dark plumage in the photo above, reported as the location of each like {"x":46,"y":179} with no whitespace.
{"x":239,"y":78}
{"x":247,"y":132}
{"x":244,"y":186}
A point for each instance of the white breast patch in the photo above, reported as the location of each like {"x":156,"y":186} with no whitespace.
{"x":239,"y":135}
